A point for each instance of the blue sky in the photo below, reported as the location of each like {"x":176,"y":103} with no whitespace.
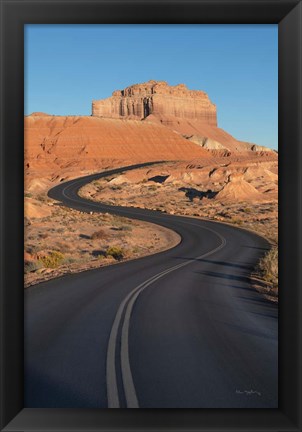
{"x":67,"y":66}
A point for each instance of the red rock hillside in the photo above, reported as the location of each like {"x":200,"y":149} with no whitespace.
{"x":144,"y":122}
{"x":56,"y":143}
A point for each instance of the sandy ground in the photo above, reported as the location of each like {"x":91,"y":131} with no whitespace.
{"x":172,"y":190}
{"x":60,"y":240}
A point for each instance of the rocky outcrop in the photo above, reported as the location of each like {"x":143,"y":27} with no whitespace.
{"x":237,"y":190}
{"x":205,"y":142}
{"x":159,"y":99}
{"x":187,"y":112}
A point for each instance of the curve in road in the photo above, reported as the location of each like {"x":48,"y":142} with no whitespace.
{"x":183,"y":328}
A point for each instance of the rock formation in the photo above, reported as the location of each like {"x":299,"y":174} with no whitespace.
{"x":158,"y":98}
{"x":144,"y":122}
{"x":187,"y":112}
{"x":237,"y":190}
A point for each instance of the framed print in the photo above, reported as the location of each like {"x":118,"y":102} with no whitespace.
{"x":150,"y":209}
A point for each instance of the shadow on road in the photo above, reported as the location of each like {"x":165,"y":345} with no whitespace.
{"x":220,"y":263}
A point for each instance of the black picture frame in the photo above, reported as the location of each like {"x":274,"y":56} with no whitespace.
{"x":288,"y":15}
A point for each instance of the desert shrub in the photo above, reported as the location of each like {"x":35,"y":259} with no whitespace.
{"x":47,"y":219}
{"x":28,"y":195}
{"x":52,"y":260}
{"x":224,"y":214}
{"x":119,"y":227}
{"x":116,"y":187}
{"x":99,"y":253}
{"x":127,"y":228}
{"x":268,"y":266}
{"x":100,"y":234}
{"x":236,"y":221}
{"x":246,"y":210}
{"x":68,"y":260}
{"x":31,"y":266}
{"x":43,"y":235}
{"x":42,"y":198}
{"x":32,"y":249}
{"x":152,"y":188}
{"x":116,"y":252}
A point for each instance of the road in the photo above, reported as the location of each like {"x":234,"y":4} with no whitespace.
{"x":183,"y":328}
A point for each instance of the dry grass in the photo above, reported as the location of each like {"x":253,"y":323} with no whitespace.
{"x":100,"y":234}
{"x":267,"y":270}
{"x":52,"y":260}
{"x":268,"y":266}
{"x":115,"y":252}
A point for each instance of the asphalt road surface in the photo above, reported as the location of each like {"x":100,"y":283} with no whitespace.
{"x":182,"y":328}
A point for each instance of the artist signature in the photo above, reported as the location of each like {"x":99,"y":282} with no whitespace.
{"x":248,"y":392}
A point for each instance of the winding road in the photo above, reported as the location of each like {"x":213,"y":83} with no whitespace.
{"x":183,"y":328}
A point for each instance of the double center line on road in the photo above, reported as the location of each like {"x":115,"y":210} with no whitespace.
{"x":127,"y":307}
{"x":123,"y":315}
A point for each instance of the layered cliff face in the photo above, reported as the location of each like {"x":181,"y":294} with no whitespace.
{"x":190,"y":113}
{"x":159,"y":99}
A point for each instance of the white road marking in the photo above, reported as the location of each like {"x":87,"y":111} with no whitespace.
{"x":111,"y":378}
{"x":128,"y":384}
{"x":112,"y":391}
